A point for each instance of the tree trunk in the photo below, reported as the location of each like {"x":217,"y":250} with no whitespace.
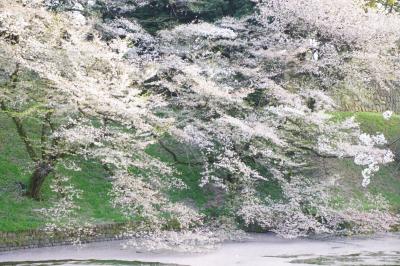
{"x":42,"y":170}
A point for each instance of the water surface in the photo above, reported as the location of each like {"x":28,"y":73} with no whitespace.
{"x":262,"y":249}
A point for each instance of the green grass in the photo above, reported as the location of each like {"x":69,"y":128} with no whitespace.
{"x":20,"y":213}
{"x":387,"y":181}
{"x":95,"y":201}
{"x":373,"y":123}
{"x":189,"y":174}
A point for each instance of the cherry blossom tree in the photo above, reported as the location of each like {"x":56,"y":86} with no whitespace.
{"x":250,"y":96}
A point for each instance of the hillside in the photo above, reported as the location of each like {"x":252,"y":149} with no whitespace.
{"x":19,"y":213}
{"x":268,"y":115}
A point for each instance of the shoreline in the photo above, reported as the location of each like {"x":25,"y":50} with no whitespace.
{"x":111,"y":232}
{"x":38,"y":238}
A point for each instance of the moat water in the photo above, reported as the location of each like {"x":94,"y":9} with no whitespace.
{"x":261,"y":249}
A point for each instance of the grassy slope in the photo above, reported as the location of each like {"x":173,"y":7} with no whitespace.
{"x":387,"y":180}
{"x":190,"y":174}
{"x":19,"y":213}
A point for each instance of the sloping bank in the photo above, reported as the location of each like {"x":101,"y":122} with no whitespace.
{"x":36,"y":238}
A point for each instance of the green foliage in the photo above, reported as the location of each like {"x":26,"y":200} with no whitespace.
{"x":162,"y":14}
{"x":258,"y":98}
{"x":270,"y":189}
{"x":389,"y":5}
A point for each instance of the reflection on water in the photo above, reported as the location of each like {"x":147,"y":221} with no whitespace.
{"x":84,"y":262}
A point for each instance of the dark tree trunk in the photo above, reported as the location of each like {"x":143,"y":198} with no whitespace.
{"x":42,"y":170}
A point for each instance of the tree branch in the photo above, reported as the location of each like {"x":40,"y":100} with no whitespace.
{"x":44,"y":134}
{"x":316,"y":153}
{"x":22,"y":134}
